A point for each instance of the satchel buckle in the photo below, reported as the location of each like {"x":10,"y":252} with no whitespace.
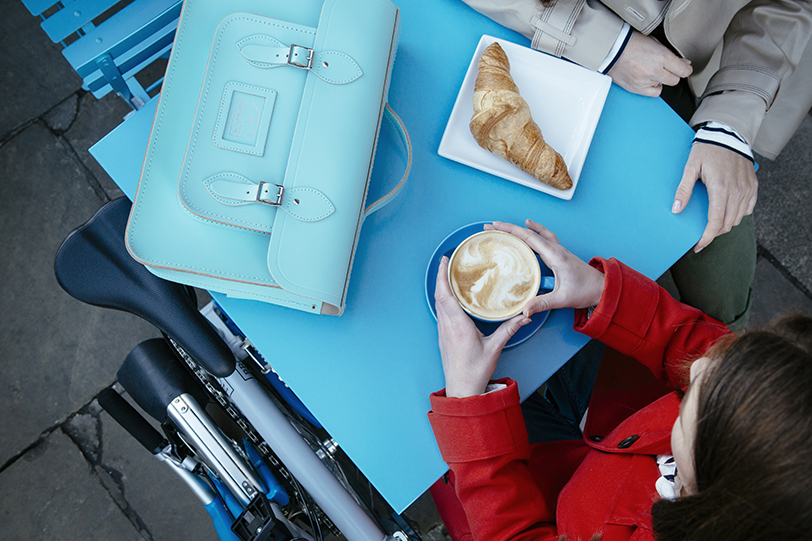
{"x":265,"y":194}
{"x":300,"y":56}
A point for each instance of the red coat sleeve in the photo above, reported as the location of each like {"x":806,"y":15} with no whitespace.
{"x":640,"y":319}
{"x":484,"y":441}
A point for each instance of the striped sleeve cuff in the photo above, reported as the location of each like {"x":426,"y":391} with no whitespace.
{"x":617,"y":49}
{"x":716,"y":133}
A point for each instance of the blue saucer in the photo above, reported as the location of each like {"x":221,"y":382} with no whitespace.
{"x":447,"y":248}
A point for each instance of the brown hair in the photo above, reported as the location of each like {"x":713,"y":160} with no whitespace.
{"x":753,"y":448}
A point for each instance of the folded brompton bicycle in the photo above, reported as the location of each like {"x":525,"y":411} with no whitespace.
{"x":262,"y":466}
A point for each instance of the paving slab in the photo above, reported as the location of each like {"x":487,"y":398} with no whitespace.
{"x":52,"y":494}
{"x":34,"y":76}
{"x":783,"y":214}
{"x":61,"y":117}
{"x":438,"y":533}
{"x":164,"y":505}
{"x":775,"y":295}
{"x":94,"y":119}
{"x":56,"y":352}
{"x":423,"y":513}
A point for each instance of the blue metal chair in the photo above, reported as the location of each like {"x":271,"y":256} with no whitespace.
{"x":108,"y":42}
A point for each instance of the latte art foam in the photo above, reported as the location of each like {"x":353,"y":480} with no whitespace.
{"x":494,"y":274}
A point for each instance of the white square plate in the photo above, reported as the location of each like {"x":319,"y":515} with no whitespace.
{"x":565,"y":99}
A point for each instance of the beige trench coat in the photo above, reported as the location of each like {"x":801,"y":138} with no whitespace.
{"x":752,"y":60}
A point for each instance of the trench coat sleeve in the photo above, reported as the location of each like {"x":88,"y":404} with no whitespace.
{"x":484,"y":441}
{"x":582,"y":31}
{"x":763,"y":45}
{"x":638,"y":318}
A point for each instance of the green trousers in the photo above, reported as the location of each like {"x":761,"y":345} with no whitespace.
{"x":718,"y":279}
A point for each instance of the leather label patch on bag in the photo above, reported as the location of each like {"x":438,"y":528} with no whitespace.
{"x":244,"y":118}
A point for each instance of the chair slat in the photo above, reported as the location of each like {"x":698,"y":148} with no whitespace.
{"x":135,"y":23}
{"x":137,"y":58}
{"x":38,"y":7}
{"x":99,"y":86}
{"x":74,"y":16}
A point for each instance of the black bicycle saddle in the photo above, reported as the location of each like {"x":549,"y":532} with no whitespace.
{"x":94,"y":266}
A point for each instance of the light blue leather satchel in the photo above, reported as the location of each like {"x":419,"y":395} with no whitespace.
{"x":255,"y":179}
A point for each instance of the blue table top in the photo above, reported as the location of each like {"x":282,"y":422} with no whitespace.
{"x":367,"y":374}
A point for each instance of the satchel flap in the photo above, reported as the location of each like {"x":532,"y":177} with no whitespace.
{"x":244,"y":124}
{"x":333,"y":149}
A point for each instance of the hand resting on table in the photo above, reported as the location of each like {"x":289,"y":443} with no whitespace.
{"x":732,"y":188}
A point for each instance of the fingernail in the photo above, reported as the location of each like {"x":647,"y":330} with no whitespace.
{"x":697,"y":250}
{"x":526,"y":320}
{"x":677,"y":206}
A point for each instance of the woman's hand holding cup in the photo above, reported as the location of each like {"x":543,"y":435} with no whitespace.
{"x":577,"y":284}
{"x":469,"y":357}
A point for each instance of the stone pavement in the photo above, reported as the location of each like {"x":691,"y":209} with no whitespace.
{"x":67,"y":471}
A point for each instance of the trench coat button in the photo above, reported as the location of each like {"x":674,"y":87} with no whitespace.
{"x":625,"y":444}
{"x":595,"y":438}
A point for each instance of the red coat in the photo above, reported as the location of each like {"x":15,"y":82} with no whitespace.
{"x":604,"y":483}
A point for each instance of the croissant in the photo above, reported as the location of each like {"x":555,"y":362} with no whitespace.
{"x":502,"y":122}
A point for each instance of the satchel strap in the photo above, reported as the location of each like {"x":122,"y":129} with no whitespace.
{"x":267,"y":52}
{"x":303,"y":203}
{"x":397,"y":123}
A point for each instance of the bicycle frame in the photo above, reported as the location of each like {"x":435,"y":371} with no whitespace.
{"x":299,"y":458}
{"x":93,"y":266}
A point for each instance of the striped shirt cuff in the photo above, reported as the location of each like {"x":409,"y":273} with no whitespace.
{"x":716,"y":133}
{"x":617,"y":49}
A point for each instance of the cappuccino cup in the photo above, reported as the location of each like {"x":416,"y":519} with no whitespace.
{"x":494,"y":274}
